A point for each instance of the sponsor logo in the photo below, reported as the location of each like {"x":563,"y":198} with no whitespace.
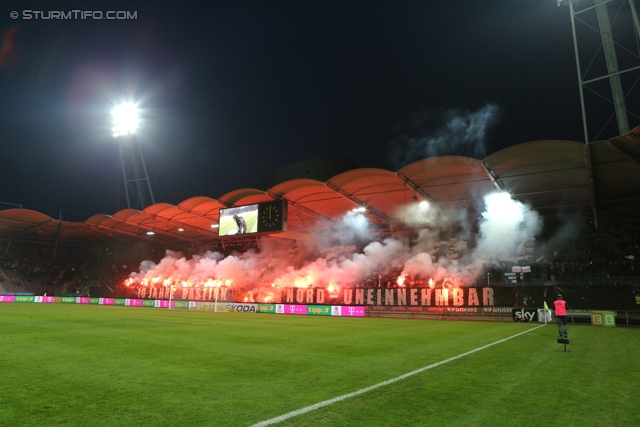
{"x":242,"y":308}
{"x":525,"y":316}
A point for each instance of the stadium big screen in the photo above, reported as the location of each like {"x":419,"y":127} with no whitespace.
{"x":257,"y":218}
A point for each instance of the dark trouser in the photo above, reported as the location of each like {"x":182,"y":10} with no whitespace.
{"x":562,"y":325}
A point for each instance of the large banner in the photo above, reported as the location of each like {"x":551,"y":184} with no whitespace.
{"x":620,"y":297}
{"x":415,"y":297}
{"x":224,"y":293}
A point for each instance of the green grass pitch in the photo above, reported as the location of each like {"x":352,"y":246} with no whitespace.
{"x":73,"y":365}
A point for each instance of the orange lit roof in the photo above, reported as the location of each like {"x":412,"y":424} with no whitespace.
{"x":554,"y":177}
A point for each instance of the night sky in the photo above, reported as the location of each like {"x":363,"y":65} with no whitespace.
{"x":230,"y":91}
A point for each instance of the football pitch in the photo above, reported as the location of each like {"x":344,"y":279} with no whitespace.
{"x":82,"y":365}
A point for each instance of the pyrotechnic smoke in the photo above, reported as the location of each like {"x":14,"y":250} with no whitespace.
{"x":431,"y":133}
{"x":505,"y":226}
{"x":571,"y":227}
{"x":357,"y":223}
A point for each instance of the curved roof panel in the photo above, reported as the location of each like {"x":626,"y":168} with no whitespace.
{"x":244,"y":196}
{"x":449,"y":179}
{"x":545,"y":174}
{"x":551,"y":176}
{"x":616,"y":171}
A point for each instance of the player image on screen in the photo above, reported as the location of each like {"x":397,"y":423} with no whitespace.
{"x":240,"y":220}
{"x":241,"y":223}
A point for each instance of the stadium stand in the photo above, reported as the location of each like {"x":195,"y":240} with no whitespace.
{"x":594,"y":184}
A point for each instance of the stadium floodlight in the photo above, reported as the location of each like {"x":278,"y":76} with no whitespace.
{"x":360,"y":209}
{"x":134,"y":168}
{"x":125,"y":119}
{"x":424,"y":205}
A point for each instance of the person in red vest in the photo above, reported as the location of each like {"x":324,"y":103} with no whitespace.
{"x":561,"y":315}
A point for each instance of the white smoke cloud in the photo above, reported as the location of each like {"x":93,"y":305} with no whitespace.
{"x":432,"y":133}
{"x":505,"y":226}
{"x":356,"y":222}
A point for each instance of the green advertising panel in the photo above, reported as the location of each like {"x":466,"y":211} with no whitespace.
{"x":118,"y":301}
{"x":266,"y":308}
{"x":210,"y":306}
{"x":68,"y":300}
{"x":181,"y":304}
{"x":24,"y":298}
{"x":94,"y":301}
{"x":148,"y":303}
{"x":603,"y":318}
{"x":319,"y":310}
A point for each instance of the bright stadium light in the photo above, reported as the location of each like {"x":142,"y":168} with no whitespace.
{"x":134,"y":169}
{"x":125,"y":119}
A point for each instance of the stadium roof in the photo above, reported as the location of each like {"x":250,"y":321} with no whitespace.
{"x":554,"y":177}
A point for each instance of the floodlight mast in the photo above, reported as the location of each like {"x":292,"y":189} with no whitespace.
{"x":608,"y":45}
{"x":125,"y":117}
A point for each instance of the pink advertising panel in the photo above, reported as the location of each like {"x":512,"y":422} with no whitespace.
{"x":162,"y":303}
{"x":83,"y":300}
{"x":295,"y":309}
{"x":7,"y":298}
{"x":133,"y":302}
{"x":106,"y":301}
{"x":349,"y":311}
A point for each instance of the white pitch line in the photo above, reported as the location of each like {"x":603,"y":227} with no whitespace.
{"x":391,"y":381}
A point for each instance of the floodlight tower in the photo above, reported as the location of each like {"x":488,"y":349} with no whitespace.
{"x":595,"y":17}
{"x":134,"y":168}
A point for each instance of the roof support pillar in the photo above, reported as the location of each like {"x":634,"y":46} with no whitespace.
{"x":415,"y":187}
{"x":592,"y":192}
{"x":491,"y":176}
{"x":358,"y":202}
{"x":58,"y":233}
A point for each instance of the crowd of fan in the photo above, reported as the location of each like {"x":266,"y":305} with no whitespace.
{"x":67,"y":274}
{"x":612,"y":252}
